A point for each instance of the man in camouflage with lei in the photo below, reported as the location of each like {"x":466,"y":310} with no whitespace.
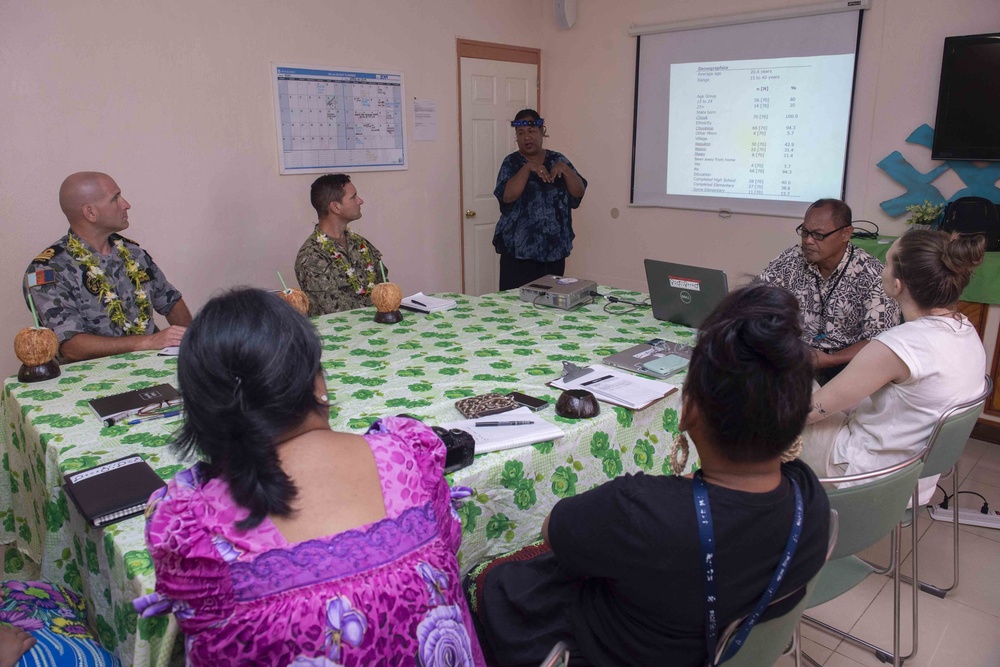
{"x":336,"y":267}
{"x":97,"y":289}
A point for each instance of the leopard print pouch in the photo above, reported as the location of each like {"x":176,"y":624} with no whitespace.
{"x":485,"y":404}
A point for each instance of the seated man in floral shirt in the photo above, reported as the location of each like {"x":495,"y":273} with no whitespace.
{"x":335,"y":267}
{"x":837,"y":284}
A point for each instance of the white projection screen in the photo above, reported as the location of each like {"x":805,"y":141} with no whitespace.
{"x":746,"y":118}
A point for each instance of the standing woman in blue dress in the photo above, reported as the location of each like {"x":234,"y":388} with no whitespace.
{"x":537,"y":190}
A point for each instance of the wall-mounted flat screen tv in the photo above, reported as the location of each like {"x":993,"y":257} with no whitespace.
{"x":968,"y":112}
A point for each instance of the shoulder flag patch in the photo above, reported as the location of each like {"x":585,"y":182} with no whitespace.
{"x":42,"y":277}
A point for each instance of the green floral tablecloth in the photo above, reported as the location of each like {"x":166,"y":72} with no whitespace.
{"x":420,"y":366}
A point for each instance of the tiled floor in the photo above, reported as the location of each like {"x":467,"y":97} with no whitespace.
{"x":962,"y":630}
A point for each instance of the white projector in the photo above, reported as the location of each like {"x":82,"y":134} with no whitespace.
{"x":558,"y":292}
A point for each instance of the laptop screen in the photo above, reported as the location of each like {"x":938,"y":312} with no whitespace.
{"x":684,"y":294}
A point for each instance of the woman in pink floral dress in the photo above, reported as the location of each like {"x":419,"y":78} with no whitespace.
{"x":292,"y":544}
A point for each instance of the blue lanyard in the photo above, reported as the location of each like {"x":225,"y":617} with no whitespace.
{"x":707,"y":537}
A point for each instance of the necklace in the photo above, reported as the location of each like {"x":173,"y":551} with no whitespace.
{"x":98,"y":283}
{"x":360,"y":287}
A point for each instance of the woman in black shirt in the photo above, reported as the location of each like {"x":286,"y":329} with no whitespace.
{"x":622,"y":578}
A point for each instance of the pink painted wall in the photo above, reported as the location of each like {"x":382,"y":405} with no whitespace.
{"x":174,"y":100}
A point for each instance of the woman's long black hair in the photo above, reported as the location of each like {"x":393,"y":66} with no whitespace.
{"x":247,"y":371}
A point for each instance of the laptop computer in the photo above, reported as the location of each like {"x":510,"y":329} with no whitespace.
{"x":636,"y":358}
{"x":684,"y":294}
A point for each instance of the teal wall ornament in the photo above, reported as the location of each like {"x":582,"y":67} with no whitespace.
{"x":979,"y":181}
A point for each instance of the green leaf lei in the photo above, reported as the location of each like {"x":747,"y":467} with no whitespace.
{"x":96,"y":278}
{"x":338,"y":258}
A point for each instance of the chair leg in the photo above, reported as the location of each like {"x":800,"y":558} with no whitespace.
{"x":896,"y":662}
{"x":799,"y":654}
{"x":892,"y":562}
{"x":886,"y":656}
{"x":941,"y":591}
{"x":938,"y":591}
{"x":797,"y":638}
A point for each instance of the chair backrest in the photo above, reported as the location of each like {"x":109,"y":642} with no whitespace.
{"x":951,"y":432}
{"x":768,"y":640}
{"x":871,"y":504}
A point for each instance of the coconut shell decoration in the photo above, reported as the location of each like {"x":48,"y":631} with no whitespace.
{"x":297,"y":299}
{"x":36,"y":347}
{"x":387,"y":297}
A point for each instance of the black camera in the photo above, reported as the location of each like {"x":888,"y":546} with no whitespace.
{"x":460,"y":445}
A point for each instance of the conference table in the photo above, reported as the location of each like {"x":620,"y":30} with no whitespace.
{"x":420,"y":366}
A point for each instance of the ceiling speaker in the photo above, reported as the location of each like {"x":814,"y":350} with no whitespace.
{"x":565,"y":11}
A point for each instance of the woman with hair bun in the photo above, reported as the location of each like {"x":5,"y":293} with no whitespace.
{"x":292,"y":544}
{"x":620,"y":578}
{"x":905,"y":379}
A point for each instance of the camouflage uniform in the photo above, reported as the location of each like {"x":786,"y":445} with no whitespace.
{"x":68,"y":306}
{"x":329,"y":289}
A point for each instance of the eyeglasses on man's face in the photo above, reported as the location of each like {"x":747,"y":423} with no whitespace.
{"x":817,"y":236}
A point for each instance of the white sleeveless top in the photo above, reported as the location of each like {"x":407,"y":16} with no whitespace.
{"x":947,"y":365}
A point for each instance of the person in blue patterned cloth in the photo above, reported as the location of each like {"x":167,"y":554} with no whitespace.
{"x":45,"y":625}
{"x":537,"y":190}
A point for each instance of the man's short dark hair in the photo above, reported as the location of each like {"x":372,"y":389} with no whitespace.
{"x":326,"y":190}
{"x":839,"y":210}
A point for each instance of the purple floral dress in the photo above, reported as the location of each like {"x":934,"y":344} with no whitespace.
{"x":387,"y":593}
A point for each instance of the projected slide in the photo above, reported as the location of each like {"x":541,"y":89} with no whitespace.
{"x":771,"y":129}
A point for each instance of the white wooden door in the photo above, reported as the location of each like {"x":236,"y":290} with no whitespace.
{"x":493,"y":92}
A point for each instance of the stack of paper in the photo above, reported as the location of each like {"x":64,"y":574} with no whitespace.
{"x":427,"y":304}
{"x":618,"y":388}
{"x":529,"y":429}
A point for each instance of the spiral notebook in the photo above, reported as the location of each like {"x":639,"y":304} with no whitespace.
{"x":112,"y":491}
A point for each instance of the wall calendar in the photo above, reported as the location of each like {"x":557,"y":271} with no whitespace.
{"x":332,"y":120}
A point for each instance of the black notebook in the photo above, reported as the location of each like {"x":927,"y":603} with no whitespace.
{"x":112,"y":491}
{"x":111,"y":409}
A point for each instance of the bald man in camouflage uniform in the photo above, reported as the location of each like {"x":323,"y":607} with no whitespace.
{"x":68,"y":295}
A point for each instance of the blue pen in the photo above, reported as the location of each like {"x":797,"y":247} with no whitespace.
{"x":172,"y":413}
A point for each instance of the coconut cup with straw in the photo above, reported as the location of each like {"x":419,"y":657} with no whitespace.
{"x":386,"y":297}
{"x":298,"y":299}
{"x":36,"y":347}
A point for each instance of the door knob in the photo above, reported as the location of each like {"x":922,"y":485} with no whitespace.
{"x":470,"y":213}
